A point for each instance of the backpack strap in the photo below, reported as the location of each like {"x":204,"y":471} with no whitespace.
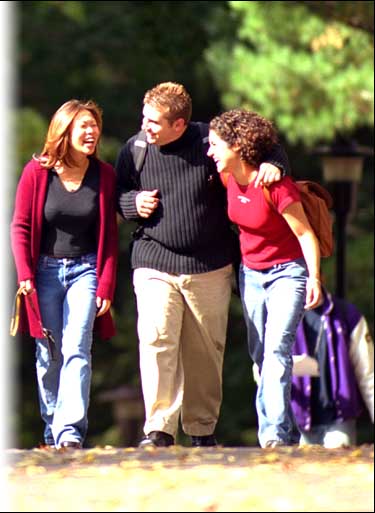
{"x":140,"y":150}
{"x":140,"y":145}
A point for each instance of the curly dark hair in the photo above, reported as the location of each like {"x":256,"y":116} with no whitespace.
{"x":254,"y":134}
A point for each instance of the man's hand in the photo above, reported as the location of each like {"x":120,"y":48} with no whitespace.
{"x":146,"y":202}
{"x":268,"y":173}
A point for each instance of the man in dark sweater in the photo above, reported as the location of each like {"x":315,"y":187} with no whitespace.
{"x":182,"y":257}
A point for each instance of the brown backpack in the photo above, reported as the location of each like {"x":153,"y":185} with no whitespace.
{"x":316,"y":201}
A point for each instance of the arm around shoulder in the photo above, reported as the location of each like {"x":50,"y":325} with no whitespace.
{"x":279,"y":158}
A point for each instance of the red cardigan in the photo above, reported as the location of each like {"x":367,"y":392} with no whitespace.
{"x":26,"y":232}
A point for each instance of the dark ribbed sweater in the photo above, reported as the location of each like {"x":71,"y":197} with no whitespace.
{"x":189,"y":232}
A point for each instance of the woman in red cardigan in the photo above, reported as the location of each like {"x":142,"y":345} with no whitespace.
{"x":64,"y":242}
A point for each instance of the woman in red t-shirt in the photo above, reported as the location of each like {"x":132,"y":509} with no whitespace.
{"x":279,"y":273}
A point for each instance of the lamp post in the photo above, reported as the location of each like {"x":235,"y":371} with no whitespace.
{"x":342,"y":171}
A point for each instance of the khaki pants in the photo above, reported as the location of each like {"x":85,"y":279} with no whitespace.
{"x":182,"y":324}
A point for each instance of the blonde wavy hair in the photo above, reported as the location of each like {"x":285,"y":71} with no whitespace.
{"x":171,"y":98}
{"x":57,"y":146}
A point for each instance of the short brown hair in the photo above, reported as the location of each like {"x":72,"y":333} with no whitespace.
{"x":56,"y":146}
{"x":254,"y":134}
{"x":171,"y":97}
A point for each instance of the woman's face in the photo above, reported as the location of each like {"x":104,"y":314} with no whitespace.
{"x":84,"y":133}
{"x":225,"y":158}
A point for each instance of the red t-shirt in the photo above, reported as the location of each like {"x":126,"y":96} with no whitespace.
{"x":265,"y":236}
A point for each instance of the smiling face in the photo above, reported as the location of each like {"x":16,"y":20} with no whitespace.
{"x":84,"y":133}
{"x":159,"y":130}
{"x":226,"y":158}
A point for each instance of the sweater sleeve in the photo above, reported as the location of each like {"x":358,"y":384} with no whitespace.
{"x":108,"y":237}
{"x":362,"y":357}
{"x":279,"y":158}
{"x":127,"y":183}
{"x":21,"y":225}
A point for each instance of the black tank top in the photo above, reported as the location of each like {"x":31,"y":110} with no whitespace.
{"x":70,"y":218}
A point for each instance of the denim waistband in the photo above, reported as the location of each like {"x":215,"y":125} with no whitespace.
{"x":90,"y":257}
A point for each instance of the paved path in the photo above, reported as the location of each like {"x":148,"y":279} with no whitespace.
{"x":185,"y":479}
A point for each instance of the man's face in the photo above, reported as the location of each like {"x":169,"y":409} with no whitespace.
{"x":158,"y":129}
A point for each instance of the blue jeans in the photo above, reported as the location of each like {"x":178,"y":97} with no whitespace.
{"x":273,"y":303}
{"x":67,"y":298}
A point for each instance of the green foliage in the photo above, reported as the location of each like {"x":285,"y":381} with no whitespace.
{"x":359,"y":14}
{"x":108,"y":149}
{"x":360,"y":272}
{"x":313,"y":77}
{"x":112,"y":52}
{"x":31,"y":129}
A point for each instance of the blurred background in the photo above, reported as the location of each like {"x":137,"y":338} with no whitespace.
{"x":307,"y":66}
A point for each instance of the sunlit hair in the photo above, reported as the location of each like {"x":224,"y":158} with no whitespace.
{"x":253,"y":134}
{"x":171,"y":98}
{"x":57,"y":147}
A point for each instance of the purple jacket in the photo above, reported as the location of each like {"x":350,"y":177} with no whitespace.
{"x":340,"y":319}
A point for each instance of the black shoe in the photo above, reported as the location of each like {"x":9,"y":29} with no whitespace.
{"x":157,"y":439}
{"x":203,"y":441}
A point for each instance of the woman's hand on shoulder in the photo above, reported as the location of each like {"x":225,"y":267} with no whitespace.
{"x":267,"y":174}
